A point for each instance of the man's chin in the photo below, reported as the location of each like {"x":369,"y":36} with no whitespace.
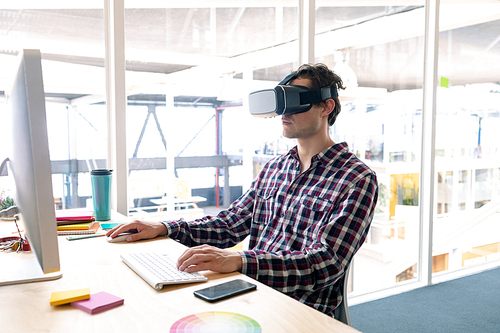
{"x":288,"y":135}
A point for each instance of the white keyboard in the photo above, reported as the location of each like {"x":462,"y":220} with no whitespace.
{"x":158,"y":269}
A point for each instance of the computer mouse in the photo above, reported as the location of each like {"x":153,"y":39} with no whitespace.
{"x":120,"y":238}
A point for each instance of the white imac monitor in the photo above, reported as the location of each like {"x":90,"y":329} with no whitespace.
{"x":31,"y":169}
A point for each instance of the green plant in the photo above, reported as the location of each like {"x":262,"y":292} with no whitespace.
{"x":5,"y":201}
{"x":382,"y":199}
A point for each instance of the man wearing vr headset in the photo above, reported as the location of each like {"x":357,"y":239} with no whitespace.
{"x":306,"y":213}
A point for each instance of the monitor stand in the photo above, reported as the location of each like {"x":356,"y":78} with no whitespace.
{"x":25,"y":271}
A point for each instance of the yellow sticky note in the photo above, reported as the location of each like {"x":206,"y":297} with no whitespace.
{"x":68,"y":296}
{"x":444,"y":82}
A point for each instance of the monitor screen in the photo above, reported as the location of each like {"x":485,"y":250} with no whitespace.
{"x":31,"y":169}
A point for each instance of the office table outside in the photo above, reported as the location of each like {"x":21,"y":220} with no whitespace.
{"x":180,"y":202}
{"x":96,"y":264}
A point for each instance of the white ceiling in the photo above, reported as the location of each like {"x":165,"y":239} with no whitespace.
{"x":206,"y":42}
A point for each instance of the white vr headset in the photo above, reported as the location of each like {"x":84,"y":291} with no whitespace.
{"x":287,"y":99}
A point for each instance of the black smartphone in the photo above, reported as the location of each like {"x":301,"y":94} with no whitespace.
{"x":225,"y":290}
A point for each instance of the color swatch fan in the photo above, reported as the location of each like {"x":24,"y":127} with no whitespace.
{"x":216,"y":322}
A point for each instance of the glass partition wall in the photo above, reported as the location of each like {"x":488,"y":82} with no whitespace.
{"x":189,"y":136}
{"x":467,"y":224}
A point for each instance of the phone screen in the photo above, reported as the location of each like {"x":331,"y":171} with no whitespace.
{"x":225,"y":290}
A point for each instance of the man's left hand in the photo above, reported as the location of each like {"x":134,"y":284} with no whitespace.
{"x":206,"y":257}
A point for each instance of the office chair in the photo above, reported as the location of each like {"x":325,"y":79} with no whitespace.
{"x":341,"y":312}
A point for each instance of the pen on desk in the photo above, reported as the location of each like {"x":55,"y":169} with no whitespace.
{"x":85,"y":236}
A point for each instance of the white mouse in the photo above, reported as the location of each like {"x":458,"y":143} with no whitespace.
{"x":120,"y":238}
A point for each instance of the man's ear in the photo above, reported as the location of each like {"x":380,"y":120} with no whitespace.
{"x":328,"y":107}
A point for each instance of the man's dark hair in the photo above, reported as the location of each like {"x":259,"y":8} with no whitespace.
{"x":320,"y":77}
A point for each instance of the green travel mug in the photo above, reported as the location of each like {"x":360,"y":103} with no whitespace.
{"x":101,"y":193}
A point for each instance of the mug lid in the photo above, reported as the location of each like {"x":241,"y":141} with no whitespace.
{"x":101,"y":172}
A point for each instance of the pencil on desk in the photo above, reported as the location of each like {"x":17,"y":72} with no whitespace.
{"x":85,"y":236}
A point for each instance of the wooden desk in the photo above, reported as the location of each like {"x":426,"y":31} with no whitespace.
{"x":94,"y":263}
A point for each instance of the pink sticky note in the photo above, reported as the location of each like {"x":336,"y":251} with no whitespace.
{"x":98,"y":302}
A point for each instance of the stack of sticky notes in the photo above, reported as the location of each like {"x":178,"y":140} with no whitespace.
{"x":81,"y":299}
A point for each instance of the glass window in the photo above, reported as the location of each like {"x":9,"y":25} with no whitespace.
{"x":71,"y":40}
{"x":189,"y":72}
{"x":466,"y":230}
{"x":381,"y":122}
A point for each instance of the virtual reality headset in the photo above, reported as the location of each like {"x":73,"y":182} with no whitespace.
{"x":287,"y":99}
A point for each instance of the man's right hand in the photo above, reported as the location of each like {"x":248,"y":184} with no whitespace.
{"x":143,"y":229}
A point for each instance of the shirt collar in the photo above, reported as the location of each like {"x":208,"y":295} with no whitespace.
{"x":325,"y":156}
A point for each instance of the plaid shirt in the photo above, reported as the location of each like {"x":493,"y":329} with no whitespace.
{"x":304,"y":228}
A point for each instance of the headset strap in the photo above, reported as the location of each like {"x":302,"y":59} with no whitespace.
{"x":288,"y":78}
{"x":316,"y":96}
{"x":311,"y":97}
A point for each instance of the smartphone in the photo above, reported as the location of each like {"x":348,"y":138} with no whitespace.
{"x":225,"y":290}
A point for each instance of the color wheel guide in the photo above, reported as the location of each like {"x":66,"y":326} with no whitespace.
{"x":216,"y":322}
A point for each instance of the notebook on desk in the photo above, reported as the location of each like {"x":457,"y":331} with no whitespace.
{"x":72,"y":216}
{"x":159,"y":269}
{"x":69,"y":230}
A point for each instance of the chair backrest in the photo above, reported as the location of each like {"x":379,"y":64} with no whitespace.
{"x":341,"y":312}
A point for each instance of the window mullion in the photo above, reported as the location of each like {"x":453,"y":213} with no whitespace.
{"x":427,"y":179}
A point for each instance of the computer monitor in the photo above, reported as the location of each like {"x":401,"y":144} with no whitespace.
{"x":31,"y":169}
